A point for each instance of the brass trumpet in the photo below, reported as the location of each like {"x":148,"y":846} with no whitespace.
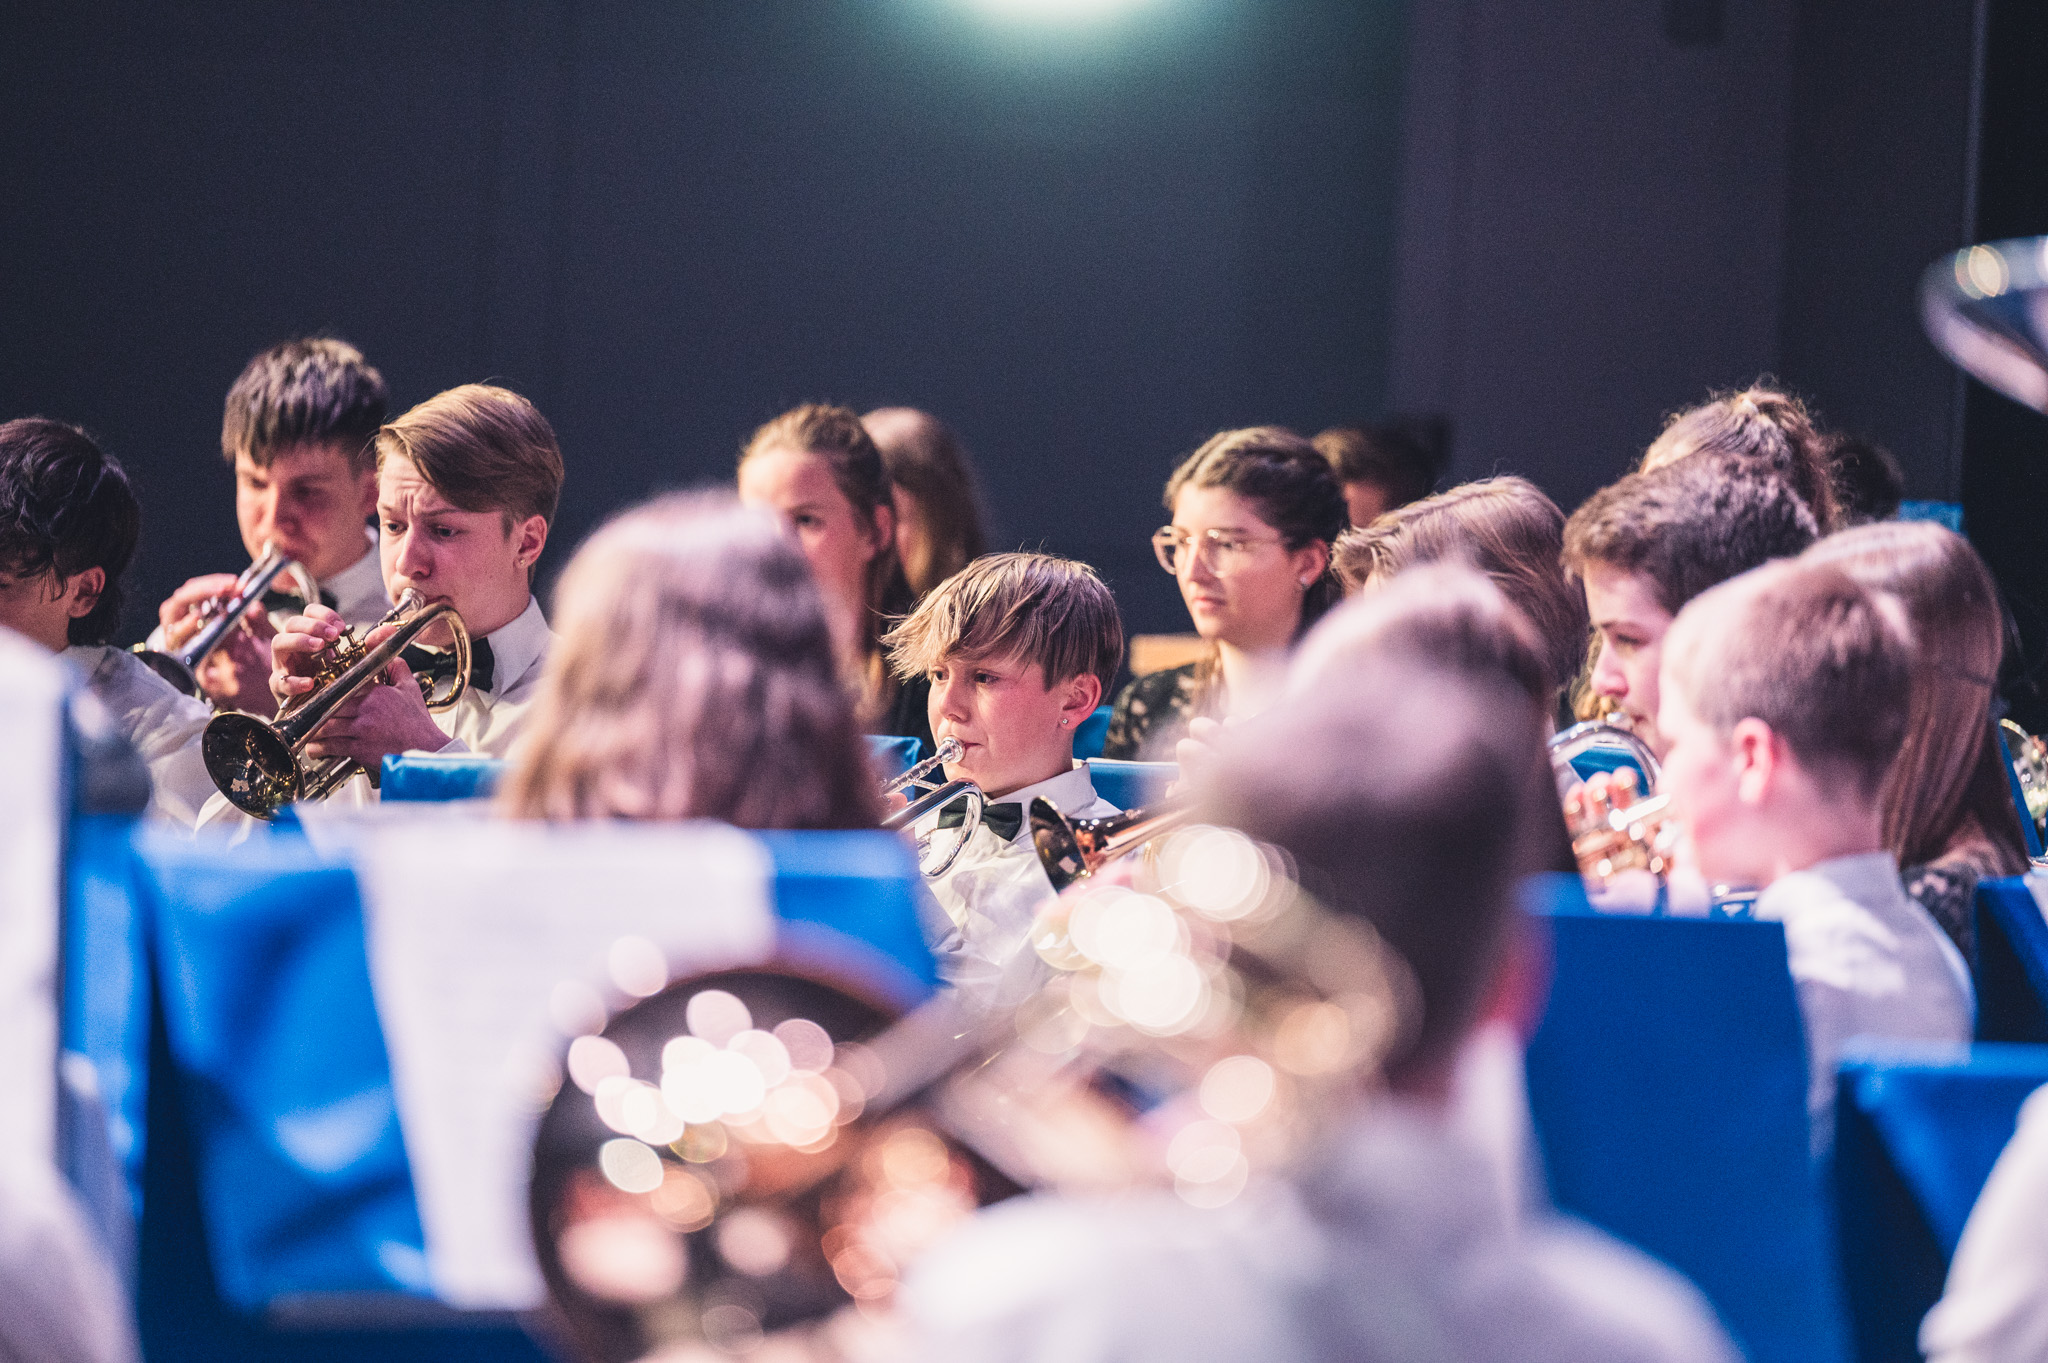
{"x":180,"y":667}
{"x":937,"y":795}
{"x":1074,"y":849}
{"x":1601,"y":735}
{"x":258,"y":764}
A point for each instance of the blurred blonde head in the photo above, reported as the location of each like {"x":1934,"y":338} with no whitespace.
{"x":692,"y":677}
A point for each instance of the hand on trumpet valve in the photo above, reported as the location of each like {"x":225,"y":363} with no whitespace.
{"x":192,"y":605}
{"x":387,"y":718}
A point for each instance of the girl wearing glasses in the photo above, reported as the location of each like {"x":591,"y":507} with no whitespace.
{"x":1254,"y":515}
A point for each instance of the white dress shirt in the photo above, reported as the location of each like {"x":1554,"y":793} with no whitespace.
{"x":1390,"y":1243}
{"x":161,"y":721}
{"x":358,"y":590}
{"x":1866,"y":961}
{"x":1995,"y":1309}
{"x":995,"y":889}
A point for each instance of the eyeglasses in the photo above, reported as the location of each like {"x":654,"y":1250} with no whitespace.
{"x":1225,"y":551}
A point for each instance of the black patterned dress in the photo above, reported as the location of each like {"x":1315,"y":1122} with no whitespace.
{"x":1151,"y":714}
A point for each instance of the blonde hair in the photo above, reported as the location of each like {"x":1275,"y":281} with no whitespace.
{"x":1949,"y":783}
{"x":1503,"y":527}
{"x":483,"y":448}
{"x":692,"y":677}
{"x":1037,"y":607}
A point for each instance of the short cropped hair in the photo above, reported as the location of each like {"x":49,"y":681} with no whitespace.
{"x":1507,"y":529}
{"x":1036,"y":607}
{"x":1393,"y":457}
{"x":1689,"y":525}
{"x":1402,"y":799}
{"x":1804,"y":647}
{"x":483,"y":448}
{"x":65,"y":506}
{"x":311,"y":391}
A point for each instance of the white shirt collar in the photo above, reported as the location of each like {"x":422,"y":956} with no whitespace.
{"x":361,"y":578}
{"x":517,"y":647}
{"x":1068,"y":792}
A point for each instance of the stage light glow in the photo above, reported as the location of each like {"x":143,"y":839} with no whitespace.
{"x":1058,"y":11}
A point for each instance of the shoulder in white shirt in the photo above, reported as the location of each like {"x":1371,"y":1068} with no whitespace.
{"x":1866,"y":960}
{"x":1995,"y":1309}
{"x":161,"y":721}
{"x":995,"y":888}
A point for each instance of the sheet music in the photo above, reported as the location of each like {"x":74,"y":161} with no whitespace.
{"x":32,"y":686}
{"x":481,"y":934}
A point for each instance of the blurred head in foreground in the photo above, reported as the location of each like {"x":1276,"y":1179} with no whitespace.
{"x":1410,"y":797}
{"x":692,"y":677}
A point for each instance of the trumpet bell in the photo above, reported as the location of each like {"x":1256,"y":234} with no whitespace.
{"x":251,"y":763}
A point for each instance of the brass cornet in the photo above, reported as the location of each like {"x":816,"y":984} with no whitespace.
{"x":257,"y":763}
{"x":180,"y":667}
{"x":937,"y":794}
{"x":1074,"y":849}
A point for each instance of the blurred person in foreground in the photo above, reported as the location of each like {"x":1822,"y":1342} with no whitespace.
{"x":931,"y":484}
{"x":692,"y":678}
{"x":1405,"y":798}
{"x":68,"y":528}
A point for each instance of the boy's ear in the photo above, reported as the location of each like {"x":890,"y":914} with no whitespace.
{"x":529,"y":537}
{"x":84,"y":587}
{"x":366,"y":491}
{"x":1082,"y":694}
{"x":1311,"y":561}
{"x":885,"y":526}
{"x":1757,"y":756}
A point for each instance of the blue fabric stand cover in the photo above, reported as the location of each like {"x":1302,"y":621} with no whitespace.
{"x":1131,"y":785}
{"x":1668,"y":1088}
{"x":2011,"y":969}
{"x":459,"y":776}
{"x":1917,"y":1131}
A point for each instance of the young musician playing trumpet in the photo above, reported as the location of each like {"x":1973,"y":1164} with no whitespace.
{"x":297,"y":433}
{"x":467,"y":484}
{"x":1648,"y":544}
{"x":68,"y":524}
{"x":1018,"y":649}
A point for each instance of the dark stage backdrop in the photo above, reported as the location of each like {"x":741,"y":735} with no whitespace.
{"x":1086,"y":244}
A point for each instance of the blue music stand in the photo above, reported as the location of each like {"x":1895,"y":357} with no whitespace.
{"x":1668,"y":1088}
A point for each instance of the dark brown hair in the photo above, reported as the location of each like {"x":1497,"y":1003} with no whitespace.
{"x":1807,"y":649}
{"x":311,"y":391}
{"x":1689,"y":524}
{"x":692,"y":678}
{"x":1390,"y":457}
{"x":835,"y":435}
{"x":1765,"y":427}
{"x":483,"y":448}
{"x":1042,"y":609}
{"x":1949,"y":783}
{"x":1403,"y":797}
{"x":65,"y":507}
{"x":1292,"y":487}
{"x":1504,"y":527}
{"x":925,"y":460}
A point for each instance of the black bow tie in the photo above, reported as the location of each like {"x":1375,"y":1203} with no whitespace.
{"x":279,"y":600}
{"x":1004,"y":820}
{"x":438,"y":664}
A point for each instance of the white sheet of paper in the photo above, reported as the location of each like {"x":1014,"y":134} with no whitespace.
{"x":32,"y":688}
{"x":473,"y":925}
